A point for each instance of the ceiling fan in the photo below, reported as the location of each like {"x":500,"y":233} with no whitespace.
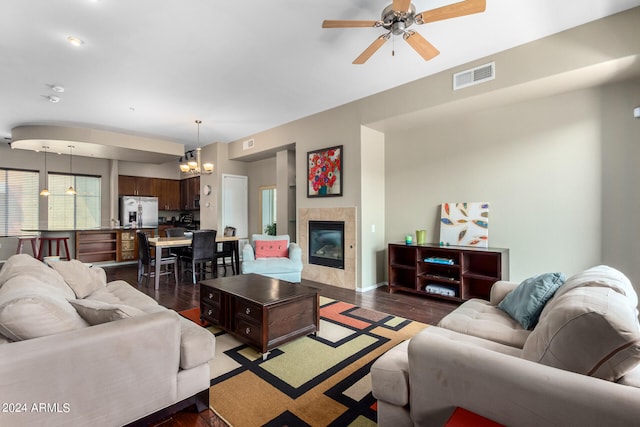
{"x":399,"y":16}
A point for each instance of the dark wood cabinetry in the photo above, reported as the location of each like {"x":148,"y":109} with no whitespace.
{"x":172,"y":194}
{"x":449,"y":272}
{"x":168,"y":192}
{"x":136,"y":186}
{"x":190,"y":193}
{"x":96,"y":246}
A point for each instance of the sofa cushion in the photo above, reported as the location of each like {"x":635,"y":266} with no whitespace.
{"x":197,"y":344}
{"x":526,"y":301}
{"x":29,"y":309}
{"x":29,"y":269}
{"x":121,"y":292}
{"x":97,"y":312}
{"x":82,"y":279}
{"x":481,"y":319}
{"x":591,"y":331}
{"x":391,"y":371}
{"x":602,"y":276}
{"x":271,"y":249}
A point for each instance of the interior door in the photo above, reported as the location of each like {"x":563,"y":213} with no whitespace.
{"x":235,"y":204}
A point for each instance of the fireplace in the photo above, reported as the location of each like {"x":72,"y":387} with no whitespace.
{"x":326,"y":243}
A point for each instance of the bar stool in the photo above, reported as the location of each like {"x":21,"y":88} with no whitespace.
{"x":34,"y":245}
{"x":57,"y":241}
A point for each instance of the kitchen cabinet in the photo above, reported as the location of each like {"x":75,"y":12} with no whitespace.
{"x":168,"y":192}
{"x":136,"y":186}
{"x":96,"y":246}
{"x":190,"y":193}
{"x":127,"y":243}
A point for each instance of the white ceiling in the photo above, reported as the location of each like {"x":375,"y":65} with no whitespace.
{"x":151,"y":68}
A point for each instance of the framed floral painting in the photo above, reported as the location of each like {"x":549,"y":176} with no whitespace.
{"x":324,"y":172}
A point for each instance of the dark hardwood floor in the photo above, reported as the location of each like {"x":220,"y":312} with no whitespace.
{"x":185,"y":295}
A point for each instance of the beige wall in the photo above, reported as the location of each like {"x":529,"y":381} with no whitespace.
{"x":372,"y":213}
{"x":621,"y":166}
{"x":261,"y":173}
{"x":536,"y":163}
{"x":533,"y":154}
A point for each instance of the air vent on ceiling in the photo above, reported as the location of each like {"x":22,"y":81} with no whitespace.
{"x":247,"y":144}
{"x":474,"y":76}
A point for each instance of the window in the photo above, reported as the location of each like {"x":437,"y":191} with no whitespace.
{"x":18,"y":201}
{"x":74,"y":212}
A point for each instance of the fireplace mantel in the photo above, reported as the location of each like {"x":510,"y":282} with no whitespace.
{"x":343,"y":278}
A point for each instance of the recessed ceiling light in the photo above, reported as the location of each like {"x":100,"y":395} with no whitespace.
{"x":75,"y":41}
{"x":57,"y":88}
{"x":53,"y":99}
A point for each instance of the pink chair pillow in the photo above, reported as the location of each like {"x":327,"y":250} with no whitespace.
{"x":271,"y":248}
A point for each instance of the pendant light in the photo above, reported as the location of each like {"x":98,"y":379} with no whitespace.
{"x":44,"y":191}
{"x":192,"y":163}
{"x":71,"y":191}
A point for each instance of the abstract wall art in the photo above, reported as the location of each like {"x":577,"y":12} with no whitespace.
{"x":465,"y":224}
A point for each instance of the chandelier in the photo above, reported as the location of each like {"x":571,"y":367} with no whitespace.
{"x":192,"y":160}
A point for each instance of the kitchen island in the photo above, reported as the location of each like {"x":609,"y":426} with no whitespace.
{"x":99,"y":244}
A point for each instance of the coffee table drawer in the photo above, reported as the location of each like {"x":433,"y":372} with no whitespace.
{"x":210,"y":296}
{"x":247,"y":309}
{"x":248,"y":330}
{"x":210,"y":313}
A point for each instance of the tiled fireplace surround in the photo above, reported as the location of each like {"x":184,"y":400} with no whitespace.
{"x":332,"y":276}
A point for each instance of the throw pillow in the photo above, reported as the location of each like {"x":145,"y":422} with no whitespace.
{"x":84,"y":280}
{"x":271,"y":249}
{"x":526,"y":301}
{"x":29,"y":310}
{"x":97,"y":312}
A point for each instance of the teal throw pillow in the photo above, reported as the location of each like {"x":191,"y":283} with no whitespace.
{"x":526,"y":301}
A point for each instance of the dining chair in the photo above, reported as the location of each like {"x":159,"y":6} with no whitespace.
{"x":176,"y":232}
{"x":201,"y":252}
{"x":148,"y":262}
{"x":227,"y":251}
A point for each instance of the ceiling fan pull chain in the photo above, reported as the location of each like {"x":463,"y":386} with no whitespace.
{"x":393,"y":48}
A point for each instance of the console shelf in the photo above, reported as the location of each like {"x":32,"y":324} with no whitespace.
{"x":467,"y":272}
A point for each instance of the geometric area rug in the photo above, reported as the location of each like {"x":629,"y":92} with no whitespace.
{"x":317,"y":380}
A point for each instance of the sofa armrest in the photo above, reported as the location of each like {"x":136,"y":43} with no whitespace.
{"x":247,"y":253}
{"x":109,"y":374}
{"x":295,"y":252}
{"x":445,"y":373}
{"x":499,"y":290}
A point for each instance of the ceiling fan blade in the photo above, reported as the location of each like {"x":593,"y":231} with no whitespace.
{"x":373,"y":47}
{"x":327,"y":23}
{"x":401,"y":5}
{"x":420,"y":45}
{"x":454,"y":10}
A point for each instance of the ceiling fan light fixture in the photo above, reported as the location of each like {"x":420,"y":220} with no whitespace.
{"x":400,"y":15}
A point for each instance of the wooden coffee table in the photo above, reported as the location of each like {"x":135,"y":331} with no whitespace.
{"x":262,"y":312}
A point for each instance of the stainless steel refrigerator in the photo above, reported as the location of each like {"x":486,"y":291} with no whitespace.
{"x":136,"y":211}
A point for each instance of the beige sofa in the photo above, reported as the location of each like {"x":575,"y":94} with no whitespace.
{"x":577,"y":367}
{"x":78,"y":351}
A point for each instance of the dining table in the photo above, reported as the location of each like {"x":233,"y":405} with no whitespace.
{"x":160,"y":243}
